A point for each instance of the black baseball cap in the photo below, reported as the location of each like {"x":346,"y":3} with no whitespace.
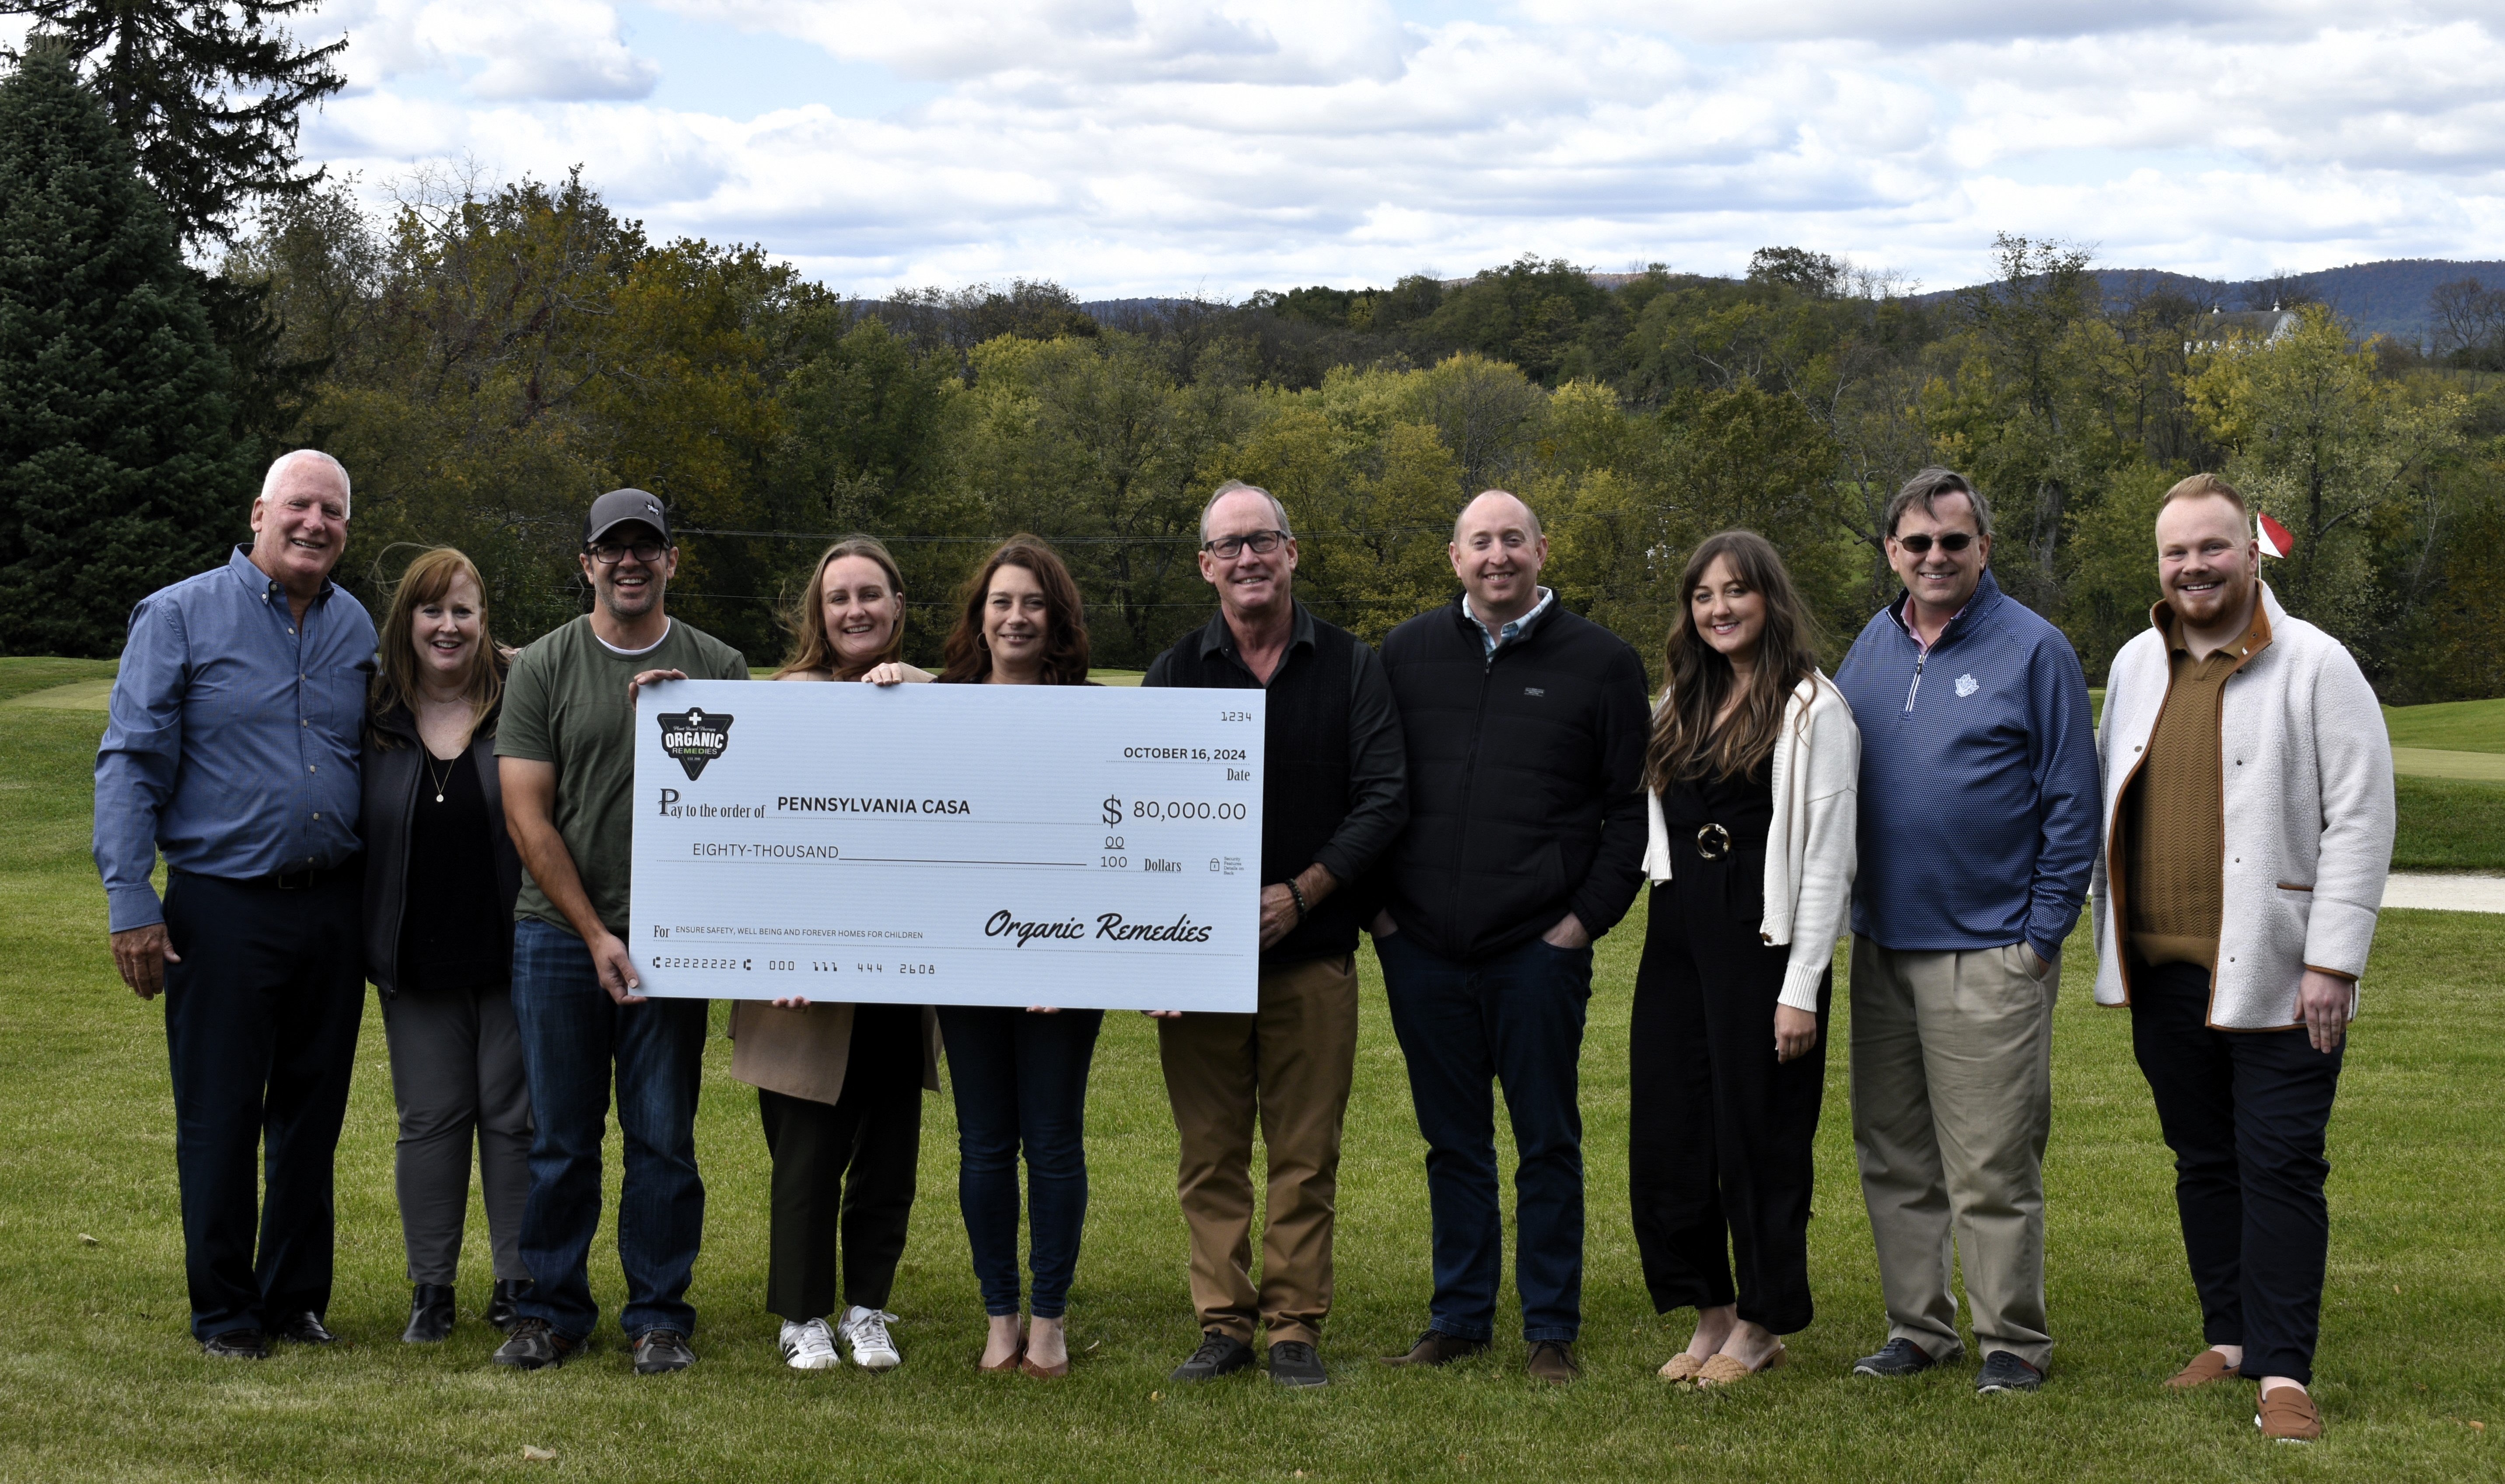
{"x":621,"y":507}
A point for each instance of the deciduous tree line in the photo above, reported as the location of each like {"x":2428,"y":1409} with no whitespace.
{"x":486,"y":356}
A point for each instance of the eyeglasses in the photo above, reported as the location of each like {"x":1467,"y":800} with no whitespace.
{"x":1953,"y":541}
{"x":646,"y":552}
{"x":1228,"y":548}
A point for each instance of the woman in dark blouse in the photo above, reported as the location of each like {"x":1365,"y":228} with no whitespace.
{"x":441,"y":878}
{"x":1751,"y":767}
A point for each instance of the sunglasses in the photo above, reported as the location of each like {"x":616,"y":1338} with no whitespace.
{"x":1954,"y":540}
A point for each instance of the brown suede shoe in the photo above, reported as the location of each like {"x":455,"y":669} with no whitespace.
{"x":2201,"y":1369}
{"x":1551,"y":1361}
{"x":2287,"y":1416}
{"x":1437,"y":1348}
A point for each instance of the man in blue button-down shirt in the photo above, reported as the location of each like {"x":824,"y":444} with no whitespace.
{"x":233,"y":751}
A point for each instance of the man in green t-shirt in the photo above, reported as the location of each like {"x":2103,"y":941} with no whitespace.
{"x":566,"y":744}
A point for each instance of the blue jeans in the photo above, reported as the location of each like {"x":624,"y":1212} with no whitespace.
{"x":1516,"y":1018}
{"x":572,"y":1033}
{"x":1021,"y":1081}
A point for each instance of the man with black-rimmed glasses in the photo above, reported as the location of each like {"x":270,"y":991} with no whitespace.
{"x":566,"y":751}
{"x":1333,"y":795}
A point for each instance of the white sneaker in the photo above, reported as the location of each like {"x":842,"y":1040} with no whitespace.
{"x":867,"y":1330}
{"x":810,"y":1346}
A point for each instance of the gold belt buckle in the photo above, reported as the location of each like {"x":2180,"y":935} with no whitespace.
{"x":1712,"y":842}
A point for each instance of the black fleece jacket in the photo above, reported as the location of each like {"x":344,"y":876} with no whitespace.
{"x":1525,"y":781}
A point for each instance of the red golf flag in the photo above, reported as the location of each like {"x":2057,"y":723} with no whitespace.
{"x":2276,"y":541}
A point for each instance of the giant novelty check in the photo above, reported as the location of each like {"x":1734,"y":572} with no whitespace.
{"x":1070,"y":846}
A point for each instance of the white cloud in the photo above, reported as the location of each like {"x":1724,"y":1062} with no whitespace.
{"x":1153,"y":146}
{"x":501,"y":50}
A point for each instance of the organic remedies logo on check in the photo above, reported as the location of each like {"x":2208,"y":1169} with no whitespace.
{"x":1109,"y":925}
{"x":695,"y":738}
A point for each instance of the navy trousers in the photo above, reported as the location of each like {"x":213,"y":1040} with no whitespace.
{"x":1515,"y":1020}
{"x":1021,"y":1084}
{"x":261,"y":1032}
{"x":573,"y":1034}
{"x":2245,"y":1113}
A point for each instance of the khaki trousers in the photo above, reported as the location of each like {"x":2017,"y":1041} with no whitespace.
{"x":1951,"y":1100}
{"x":1287,"y":1066}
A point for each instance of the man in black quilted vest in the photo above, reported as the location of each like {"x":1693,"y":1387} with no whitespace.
{"x":1332,"y":797}
{"x":1525,"y":729}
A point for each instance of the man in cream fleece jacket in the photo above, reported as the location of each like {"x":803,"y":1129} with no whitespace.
{"x":2249,"y":817}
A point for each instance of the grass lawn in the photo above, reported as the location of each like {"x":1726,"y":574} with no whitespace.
{"x":20,"y":674}
{"x":100,"y":1381}
{"x":2449,"y":825}
{"x":2458,"y":726}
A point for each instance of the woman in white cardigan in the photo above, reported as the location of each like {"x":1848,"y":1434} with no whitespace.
{"x":1752,"y":766}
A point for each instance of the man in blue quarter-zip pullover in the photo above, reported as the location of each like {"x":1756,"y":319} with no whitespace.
{"x":1979,"y":820}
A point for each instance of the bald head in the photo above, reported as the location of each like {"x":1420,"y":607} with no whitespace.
{"x":1488,"y":503}
{"x":1497,"y":552}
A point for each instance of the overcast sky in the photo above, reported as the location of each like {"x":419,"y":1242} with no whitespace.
{"x":1170,"y":146}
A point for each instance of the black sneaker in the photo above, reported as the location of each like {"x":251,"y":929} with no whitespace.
{"x":1899,"y":1356}
{"x":1218,"y":1355}
{"x":1294,"y":1362}
{"x":533,"y":1345}
{"x":236,"y":1345}
{"x":659,"y":1351}
{"x":2005,"y":1372}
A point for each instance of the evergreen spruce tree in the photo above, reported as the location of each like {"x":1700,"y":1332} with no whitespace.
{"x":208,"y":92}
{"x":119,"y":469}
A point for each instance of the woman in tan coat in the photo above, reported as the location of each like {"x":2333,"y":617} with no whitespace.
{"x":839,"y":1086}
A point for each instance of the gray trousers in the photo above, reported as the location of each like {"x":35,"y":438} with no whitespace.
{"x":456,"y":1061}
{"x":1951,"y":1100}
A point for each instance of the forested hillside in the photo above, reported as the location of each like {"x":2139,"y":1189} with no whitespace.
{"x":490,"y":358}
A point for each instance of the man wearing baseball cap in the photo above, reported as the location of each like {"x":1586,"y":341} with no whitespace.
{"x":567,"y":751}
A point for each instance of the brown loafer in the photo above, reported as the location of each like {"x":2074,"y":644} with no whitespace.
{"x":1681,"y":1369}
{"x":1437,"y":1348}
{"x":2288,"y":1416}
{"x":2206,"y":1366}
{"x":1722,"y":1370}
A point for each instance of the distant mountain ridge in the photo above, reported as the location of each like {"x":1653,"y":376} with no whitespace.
{"x":2389,"y":297}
